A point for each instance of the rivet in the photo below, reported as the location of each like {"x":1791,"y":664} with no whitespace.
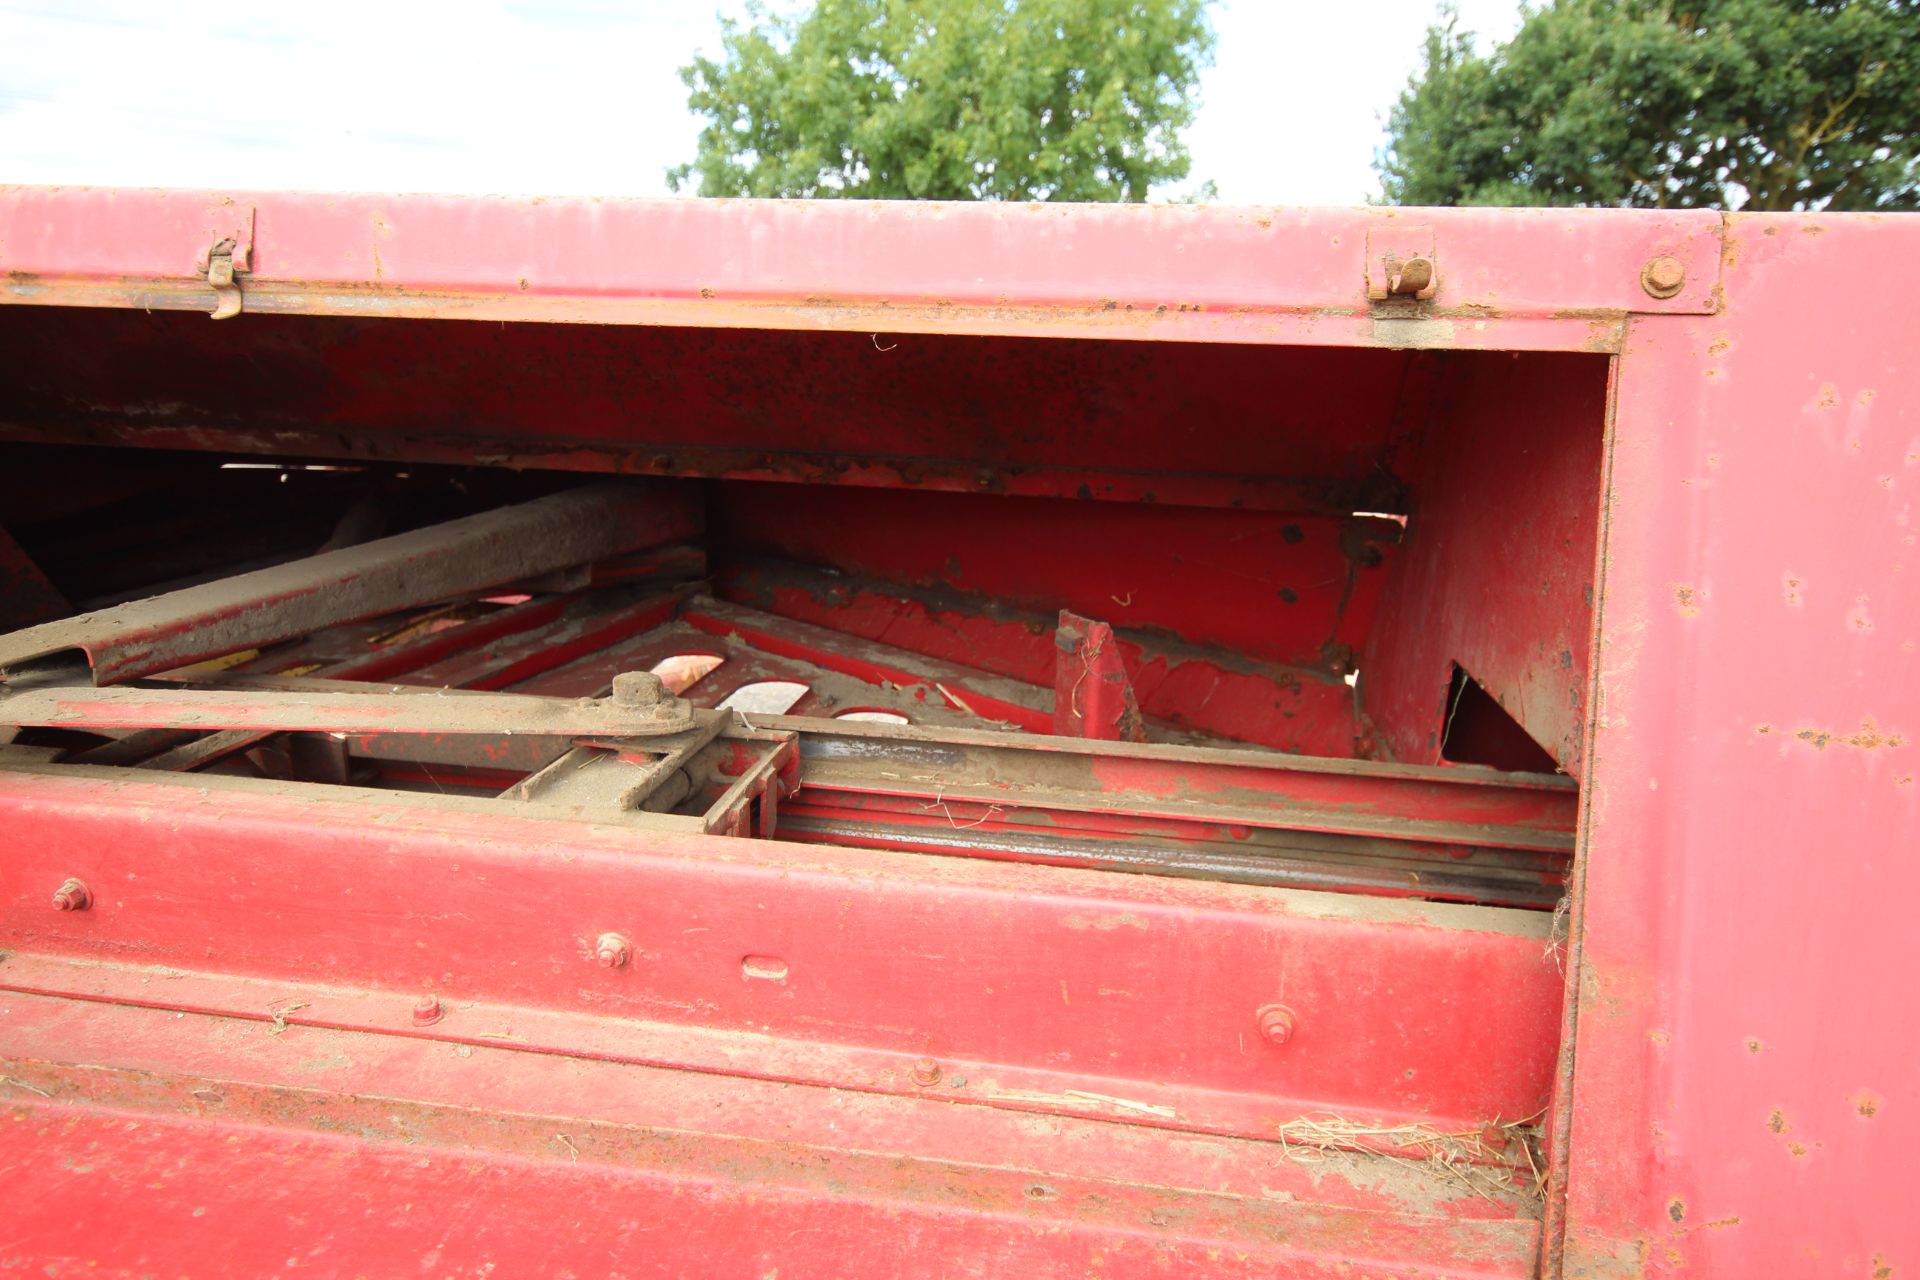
{"x":427,"y":1011}
{"x":926,"y":1073}
{"x":72,"y":896}
{"x":613,"y":951}
{"x":1663,"y":277}
{"x":1276,"y":1023}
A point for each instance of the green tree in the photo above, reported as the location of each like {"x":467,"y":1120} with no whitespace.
{"x":950,"y":100}
{"x":1755,"y":104}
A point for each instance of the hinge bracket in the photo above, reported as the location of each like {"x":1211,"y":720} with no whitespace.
{"x":1401,"y":263}
{"x":230,"y":257}
{"x":220,"y":276}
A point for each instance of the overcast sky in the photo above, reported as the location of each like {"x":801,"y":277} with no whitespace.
{"x":580,"y":96}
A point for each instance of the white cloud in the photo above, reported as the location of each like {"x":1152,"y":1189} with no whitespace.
{"x":1297,"y":101}
{"x":578,"y":96}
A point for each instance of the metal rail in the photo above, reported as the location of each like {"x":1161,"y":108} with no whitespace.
{"x":440,"y":562}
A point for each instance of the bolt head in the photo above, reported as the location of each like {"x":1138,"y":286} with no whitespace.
{"x":1276,"y":1023}
{"x":1663,"y":277}
{"x":926,"y":1073}
{"x":72,"y":896}
{"x":427,"y":1011}
{"x":638,"y":689}
{"x":613,"y":951}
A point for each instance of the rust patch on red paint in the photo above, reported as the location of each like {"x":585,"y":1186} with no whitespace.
{"x":1829,"y":396}
{"x":1792,"y":591}
{"x":1688,"y":598}
{"x":1677,"y":1209}
{"x":1867,"y":1104}
{"x":1870,"y":738}
{"x":1753,"y":1046}
{"x":1777,"y":1121}
{"x":1882,"y":1269}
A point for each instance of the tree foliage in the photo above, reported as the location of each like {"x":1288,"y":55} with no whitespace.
{"x":950,"y":100}
{"x":1756,"y":104}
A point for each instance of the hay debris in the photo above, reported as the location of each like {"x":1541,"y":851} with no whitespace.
{"x":1479,"y":1159}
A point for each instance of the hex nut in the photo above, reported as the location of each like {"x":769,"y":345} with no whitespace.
{"x":1276,"y":1023}
{"x":926,"y":1073}
{"x":72,"y":896}
{"x":427,"y":1011}
{"x":638,"y":689}
{"x":613,"y":951}
{"x":1663,"y":277}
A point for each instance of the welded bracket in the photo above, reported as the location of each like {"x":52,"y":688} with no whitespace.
{"x":1092,"y":696}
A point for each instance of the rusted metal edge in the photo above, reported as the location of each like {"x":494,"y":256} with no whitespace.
{"x":1101,"y":270}
{"x":440,"y":562}
{"x":352,"y":709}
{"x":1294,"y":495}
{"x":878,"y":734}
{"x":1435,"y":327}
{"x":1291,"y":861}
{"x":1448,"y":804}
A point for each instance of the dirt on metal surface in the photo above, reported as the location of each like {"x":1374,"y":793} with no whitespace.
{"x":167,"y":632}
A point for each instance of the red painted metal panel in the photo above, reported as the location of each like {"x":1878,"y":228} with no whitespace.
{"x":1209,"y":691}
{"x":1498,"y":570}
{"x":1044,"y":982}
{"x":1177,"y":423}
{"x":1743,"y":1099}
{"x":242,"y":1145}
{"x":1284,"y":588}
{"x":1195,"y":273}
{"x":1736,"y":1095}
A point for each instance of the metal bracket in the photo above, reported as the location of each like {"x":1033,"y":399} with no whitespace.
{"x":226,"y":289}
{"x":1401,"y":263}
{"x":231,"y":255}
